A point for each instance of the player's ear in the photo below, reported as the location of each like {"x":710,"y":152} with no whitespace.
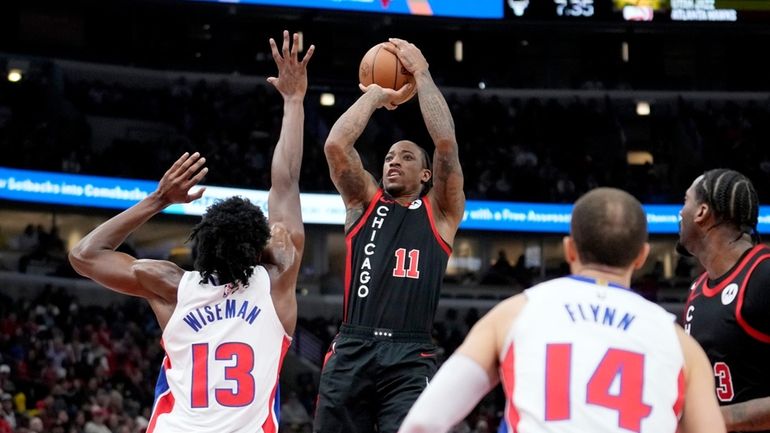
{"x":570,"y":250}
{"x":641,"y":258}
{"x":702,"y":212}
{"x":426,"y":175}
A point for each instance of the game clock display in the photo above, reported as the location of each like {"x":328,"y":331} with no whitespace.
{"x":703,"y":11}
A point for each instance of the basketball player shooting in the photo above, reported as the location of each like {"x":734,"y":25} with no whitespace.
{"x":399,"y":235}
{"x":227,"y":324}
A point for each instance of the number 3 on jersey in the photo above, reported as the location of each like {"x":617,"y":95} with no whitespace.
{"x":627,"y":367}
{"x":242,"y":392}
{"x":400,"y":270}
{"x":724,"y":382}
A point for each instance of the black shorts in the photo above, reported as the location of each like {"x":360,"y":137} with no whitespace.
{"x":371,"y":378}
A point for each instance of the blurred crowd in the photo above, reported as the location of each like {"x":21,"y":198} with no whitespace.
{"x":67,"y":368}
{"x":70,"y":368}
{"x":558,"y":148}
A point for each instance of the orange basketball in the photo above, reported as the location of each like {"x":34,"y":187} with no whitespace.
{"x":381,"y":67}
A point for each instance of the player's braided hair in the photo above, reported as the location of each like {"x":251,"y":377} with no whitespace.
{"x":733,"y":199}
{"x":229,"y":240}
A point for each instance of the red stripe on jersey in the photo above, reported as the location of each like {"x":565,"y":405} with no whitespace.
{"x":711,"y":291}
{"x":165,"y":405}
{"x":444,"y":245}
{"x":557,"y":380}
{"x":508,"y":377}
{"x":349,"y":252}
{"x":270,"y":425}
{"x":693,"y":294}
{"x":679,"y":403}
{"x":754,"y":333}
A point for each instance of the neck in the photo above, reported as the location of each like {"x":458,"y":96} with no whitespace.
{"x":405,"y":198}
{"x":621,"y":277}
{"x":720,"y":251}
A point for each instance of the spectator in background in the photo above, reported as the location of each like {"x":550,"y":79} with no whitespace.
{"x":501,"y":272}
{"x":97,"y":425}
{"x":7,"y":412}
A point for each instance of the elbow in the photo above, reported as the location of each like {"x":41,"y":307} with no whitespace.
{"x":78,"y":257}
{"x":332,"y":147}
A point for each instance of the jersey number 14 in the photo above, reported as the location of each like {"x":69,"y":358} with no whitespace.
{"x":621,"y":365}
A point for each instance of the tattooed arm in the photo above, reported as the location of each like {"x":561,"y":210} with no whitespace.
{"x":356,"y":185}
{"x":752,"y":415}
{"x":447,"y":173}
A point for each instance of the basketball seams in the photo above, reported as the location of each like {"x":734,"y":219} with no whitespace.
{"x":374,"y":61}
{"x":396,"y":64}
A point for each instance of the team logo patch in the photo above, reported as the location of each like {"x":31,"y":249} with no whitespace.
{"x":729,"y":294}
{"x":415,"y":204}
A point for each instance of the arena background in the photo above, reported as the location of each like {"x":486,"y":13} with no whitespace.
{"x":550,"y":98}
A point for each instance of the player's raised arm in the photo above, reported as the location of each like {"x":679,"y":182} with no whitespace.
{"x":354,"y":183}
{"x":283,"y":200}
{"x":95,"y":256}
{"x":284,"y":210}
{"x":447,"y":172}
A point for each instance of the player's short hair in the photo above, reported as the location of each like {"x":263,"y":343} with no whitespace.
{"x":609,"y":227}
{"x":733,"y":199}
{"x":427,"y":163}
{"x":229,"y":241}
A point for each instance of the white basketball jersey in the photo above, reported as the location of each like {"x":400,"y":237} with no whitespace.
{"x":589,"y":357}
{"x":224,"y":350}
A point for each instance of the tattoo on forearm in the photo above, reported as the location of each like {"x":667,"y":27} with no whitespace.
{"x":438,"y":118}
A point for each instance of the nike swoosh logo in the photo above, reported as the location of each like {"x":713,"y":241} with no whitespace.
{"x":427,"y":355}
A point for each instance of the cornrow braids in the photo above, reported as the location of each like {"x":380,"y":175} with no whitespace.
{"x":733,"y":199}
{"x":229,"y":241}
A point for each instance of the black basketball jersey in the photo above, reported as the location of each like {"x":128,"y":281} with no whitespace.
{"x":716,"y":316}
{"x":395,"y":264}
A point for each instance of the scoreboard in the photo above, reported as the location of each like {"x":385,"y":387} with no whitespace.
{"x":640,"y":10}
{"x":618,"y":11}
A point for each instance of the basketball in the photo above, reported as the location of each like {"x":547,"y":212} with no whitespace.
{"x":380,"y":66}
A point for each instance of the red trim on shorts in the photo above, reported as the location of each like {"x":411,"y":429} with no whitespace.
{"x":349,"y":251}
{"x":271,"y":424}
{"x":754,"y":333}
{"x":329,"y":354}
{"x":679,"y":403}
{"x":507,"y":374}
{"x":712,"y":291}
{"x":444,"y":244}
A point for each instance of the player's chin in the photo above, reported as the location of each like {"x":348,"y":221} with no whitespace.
{"x":393,"y":188}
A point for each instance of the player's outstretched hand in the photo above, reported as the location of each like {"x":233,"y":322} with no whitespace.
{"x":185,"y":173}
{"x":292,"y":73}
